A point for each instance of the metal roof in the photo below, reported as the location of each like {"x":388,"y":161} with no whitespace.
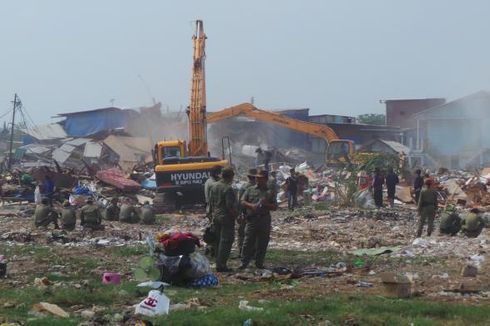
{"x":46,"y":131}
{"x":92,"y":150}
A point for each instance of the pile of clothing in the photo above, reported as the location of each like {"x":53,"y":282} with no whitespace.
{"x":179,"y":262}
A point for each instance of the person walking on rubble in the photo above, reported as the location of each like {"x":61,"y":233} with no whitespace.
{"x":68,"y":217}
{"x":259,"y":202}
{"x":378,"y":182}
{"x":147,"y":214}
{"x":45,"y":215}
{"x":128,"y":213}
{"x":391,"y":182}
{"x":426,"y":208}
{"x":418,"y":183}
{"x":90,"y":216}
{"x":213,"y":178}
{"x":112,"y":211}
{"x":292,"y":189}
{"x":242,"y":217}
{"x":223,"y":207}
{"x":472,"y":224}
{"x":48,"y":188}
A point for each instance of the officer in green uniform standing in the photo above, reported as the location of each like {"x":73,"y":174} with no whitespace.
{"x":45,"y":215}
{"x":68,"y":217}
{"x":272,"y":183}
{"x":426,"y":208}
{"x":242,"y":217}
{"x":213,"y":178}
{"x":259,"y":202}
{"x":223,"y":207}
{"x":472,"y":224}
{"x":90,"y":216}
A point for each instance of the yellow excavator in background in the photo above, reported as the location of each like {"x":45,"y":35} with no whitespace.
{"x":182,"y":170}
{"x":337,"y":151}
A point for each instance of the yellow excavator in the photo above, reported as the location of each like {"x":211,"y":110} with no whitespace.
{"x":337,"y":151}
{"x":182,"y":170}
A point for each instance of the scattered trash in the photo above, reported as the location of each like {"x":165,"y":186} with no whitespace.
{"x":396,"y":284}
{"x":111,"y":278}
{"x":469,"y":271}
{"x":51,"y":308}
{"x":364,"y":284}
{"x":243,"y":305}
{"x":3,"y":266}
{"x":155,"y":304}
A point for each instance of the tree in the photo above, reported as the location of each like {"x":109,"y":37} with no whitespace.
{"x":372,"y":119}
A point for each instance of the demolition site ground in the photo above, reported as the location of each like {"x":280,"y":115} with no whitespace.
{"x":308,"y":242}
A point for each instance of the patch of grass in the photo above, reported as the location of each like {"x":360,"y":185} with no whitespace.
{"x":25,"y":250}
{"x":321,"y":206}
{"x":126,"y":251}
{"x":289,"y":258}
{"x":337,"y":309}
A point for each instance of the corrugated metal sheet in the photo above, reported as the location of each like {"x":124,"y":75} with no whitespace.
{"x":92,"y":150}
{"x":396,"y":146}
{"x":62,"y":153}
{"x":77,"y":141}
{"x":46,"y":132}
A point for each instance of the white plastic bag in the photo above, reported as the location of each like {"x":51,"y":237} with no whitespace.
{"x":155,"y":304}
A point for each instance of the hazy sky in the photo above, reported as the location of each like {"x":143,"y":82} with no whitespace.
{"x":338,"y":57}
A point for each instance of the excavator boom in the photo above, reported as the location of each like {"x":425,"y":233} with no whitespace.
{"x":337,"y":148}
{"x":247,"y":109}
{"x":198,"y":144}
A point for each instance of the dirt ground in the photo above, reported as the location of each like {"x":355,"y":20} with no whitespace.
{"x":432,"y":264}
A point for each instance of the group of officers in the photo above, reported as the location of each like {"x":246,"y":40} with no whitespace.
{"x":248,"y":210}
{"x":470,"y":225}
{"x":90,"y":214}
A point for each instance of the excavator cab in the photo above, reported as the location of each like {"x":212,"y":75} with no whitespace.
{"x":339,"y":151}
{"x":169,"y":150}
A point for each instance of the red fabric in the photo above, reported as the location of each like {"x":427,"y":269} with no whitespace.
{"x":115,"y":177}
{"x":173,"y":241}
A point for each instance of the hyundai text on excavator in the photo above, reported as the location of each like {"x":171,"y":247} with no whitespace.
{"x":337,"y":151}
{"x":181,"y":170}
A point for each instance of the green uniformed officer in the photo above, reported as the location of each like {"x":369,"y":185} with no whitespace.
{"x":147,"y":214}
{"x":90,"y":216}
{"x":259,"y":202}
{"x":213,"y":178}
{"x":426,"y":208}
{"x":45,"y":215}
{"x":272,"y":183}
{"x":242,"y":218}
{"x":112,"y":211}
{"x":128,"y":213}
{"x":68,"y":217}
{"x":450,"y":222}
{"x":223,"y":207}
{"x":472,"y":224}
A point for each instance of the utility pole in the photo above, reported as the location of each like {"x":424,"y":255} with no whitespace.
{"x":16,"y":102}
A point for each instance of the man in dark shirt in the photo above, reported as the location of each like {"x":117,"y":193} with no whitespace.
{"x":292,"y":189}
{"x":391,"y":182}
{"x":378,"y":182}
{"x":418,"y":183}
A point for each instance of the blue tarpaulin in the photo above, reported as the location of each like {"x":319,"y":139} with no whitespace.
{"x":92,"y":122}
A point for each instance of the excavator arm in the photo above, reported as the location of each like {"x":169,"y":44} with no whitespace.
{"x":337,"y":148}
{"x":247,"y":109}
{"x":198,"y":144}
